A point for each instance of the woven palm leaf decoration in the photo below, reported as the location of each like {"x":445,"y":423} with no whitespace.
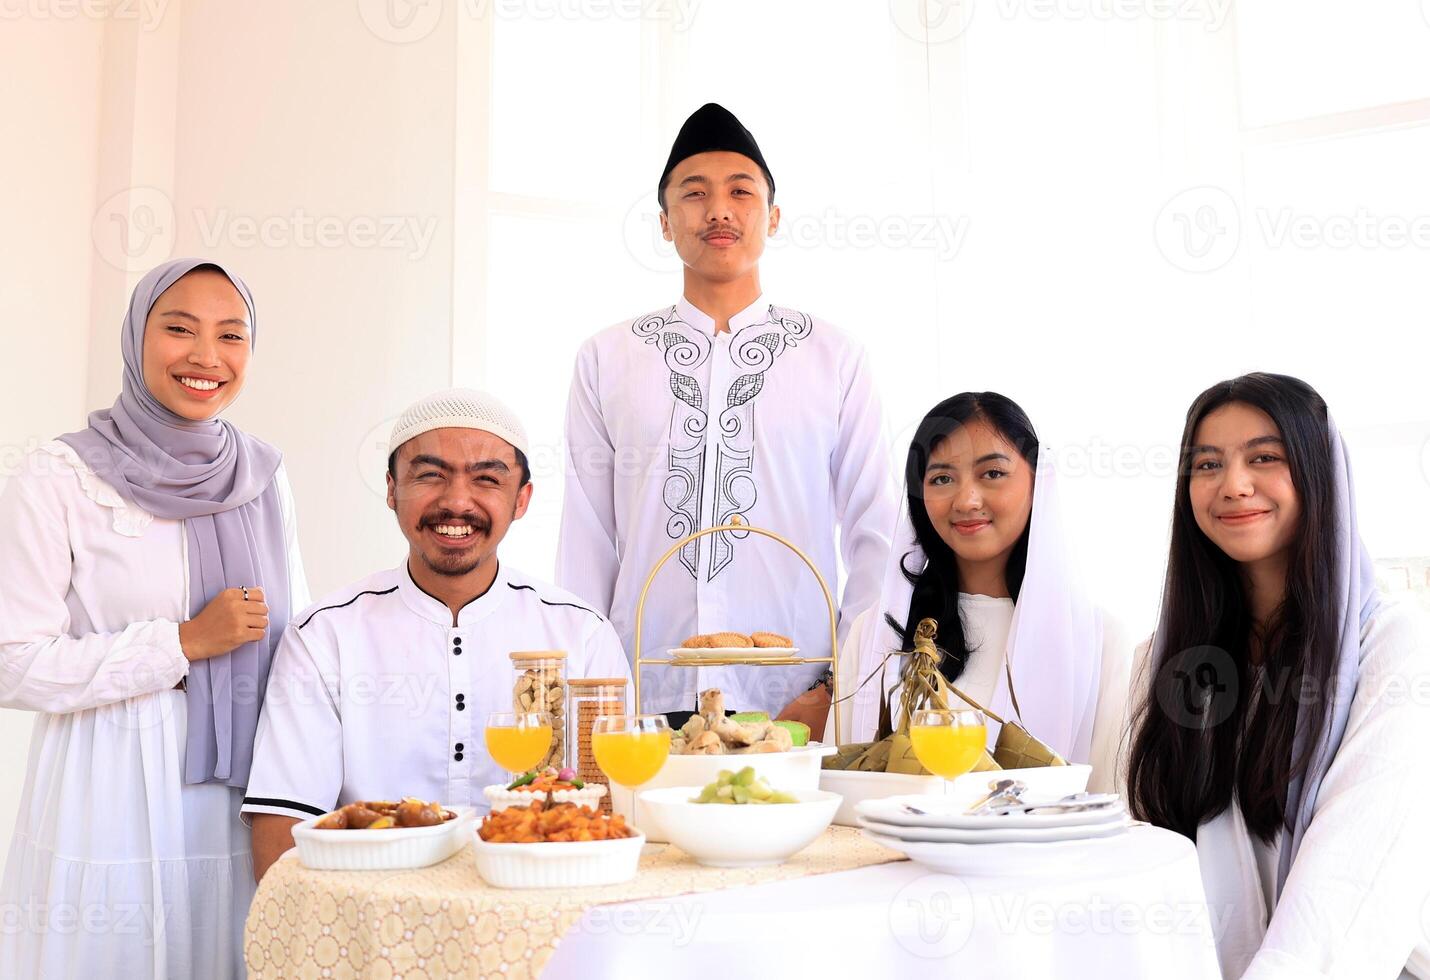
{"x":922,"y":686}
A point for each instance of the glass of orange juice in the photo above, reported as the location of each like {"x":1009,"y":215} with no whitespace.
{"x":630,"y":749}
{"x":517,"y":741}
{"x":948,"y":742}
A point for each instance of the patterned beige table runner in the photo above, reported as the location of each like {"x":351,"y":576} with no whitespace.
{"x":445,"y":921}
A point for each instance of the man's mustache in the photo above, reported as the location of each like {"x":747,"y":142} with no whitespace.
{"x":475,"y":521}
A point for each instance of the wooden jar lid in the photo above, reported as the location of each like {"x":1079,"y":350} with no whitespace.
{"x":526,"y":656}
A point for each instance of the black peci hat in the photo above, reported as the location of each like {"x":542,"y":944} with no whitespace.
{"x":712,"y":127}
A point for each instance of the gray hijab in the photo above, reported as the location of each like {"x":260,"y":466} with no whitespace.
{"x":220,"y":483}
{"x":1356,"y":600}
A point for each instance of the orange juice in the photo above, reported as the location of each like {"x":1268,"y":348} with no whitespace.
{"x":948,"y":750}
{"x":518,"y":748}
{"x":630,"y":758}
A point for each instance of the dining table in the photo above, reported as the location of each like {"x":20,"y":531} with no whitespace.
{"x":1129,"y":906}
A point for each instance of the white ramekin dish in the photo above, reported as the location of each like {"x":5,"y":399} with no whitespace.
{"x":560,"y":864}
{"x":382,"y":850}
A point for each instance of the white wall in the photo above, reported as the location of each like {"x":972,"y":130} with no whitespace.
{"x":229,"y":130}
{"x":288,"y":116}
{"x":47,"y":178}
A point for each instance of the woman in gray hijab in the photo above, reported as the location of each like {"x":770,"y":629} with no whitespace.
{"x":151,"y":565}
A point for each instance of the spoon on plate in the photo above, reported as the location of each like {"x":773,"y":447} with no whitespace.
{"x":1006,"y":791}
{"x":1073,"y":803}
{"x":1002,"y":792}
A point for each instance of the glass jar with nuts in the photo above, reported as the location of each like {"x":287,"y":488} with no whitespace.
{"x":540,"y":685}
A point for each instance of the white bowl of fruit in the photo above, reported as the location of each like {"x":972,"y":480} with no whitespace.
{"x":740,"y":820}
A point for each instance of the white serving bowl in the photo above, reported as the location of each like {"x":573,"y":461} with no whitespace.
{"x":382,"y":850}
{"x":559,"y":864}
{"x":740,"y":836}
{"x":500,"y":797}
{"x":1045,"y":783}
{"x":790,"y":771}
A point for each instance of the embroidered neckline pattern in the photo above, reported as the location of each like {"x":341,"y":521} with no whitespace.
{"x":753,"y":350}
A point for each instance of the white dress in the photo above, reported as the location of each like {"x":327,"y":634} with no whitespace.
{"x":986,"y":623}
{"x":117,"y":867}
{"x":1356,"y":905}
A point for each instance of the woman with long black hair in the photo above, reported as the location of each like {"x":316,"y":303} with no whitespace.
{"x":1282,"y":711}
{"x":980,"y":549}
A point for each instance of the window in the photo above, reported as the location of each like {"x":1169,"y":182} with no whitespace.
{"x":1096,"y":209}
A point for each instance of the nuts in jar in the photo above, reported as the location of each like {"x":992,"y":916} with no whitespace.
{"x":540,"y":685}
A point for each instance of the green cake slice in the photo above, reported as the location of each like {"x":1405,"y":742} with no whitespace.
{"x":798,"y":731}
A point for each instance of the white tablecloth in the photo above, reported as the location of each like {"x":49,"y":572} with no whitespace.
{"x":1137,"y":912}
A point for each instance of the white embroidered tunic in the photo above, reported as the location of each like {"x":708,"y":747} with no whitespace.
{"x":672,"y":428}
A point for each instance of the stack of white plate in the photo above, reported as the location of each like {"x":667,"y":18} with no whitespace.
{"x":938,"y":832}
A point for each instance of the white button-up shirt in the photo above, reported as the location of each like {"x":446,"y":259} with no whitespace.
{"x":671,"y":428}
{"x":375,"y":694}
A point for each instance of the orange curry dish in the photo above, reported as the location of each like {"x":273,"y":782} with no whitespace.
{"x":539,"y":823}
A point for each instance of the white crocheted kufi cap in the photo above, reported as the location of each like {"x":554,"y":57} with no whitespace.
{"x":459,"y":408}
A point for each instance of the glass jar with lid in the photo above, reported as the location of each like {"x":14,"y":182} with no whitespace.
{"x":590,"y":698}
{"x":539,"y":684}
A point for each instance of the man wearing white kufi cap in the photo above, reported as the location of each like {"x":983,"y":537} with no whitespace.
{"x":382,"y":689}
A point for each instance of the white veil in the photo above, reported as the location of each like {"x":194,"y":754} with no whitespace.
{"x":1054,"y":647}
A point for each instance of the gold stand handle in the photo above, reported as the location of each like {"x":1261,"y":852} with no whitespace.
{"x":774,"y":660}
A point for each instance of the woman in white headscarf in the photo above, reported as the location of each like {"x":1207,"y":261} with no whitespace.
{"x":1283,"y":704}
{"x":980,"y":549}
{"x":150,"y":566}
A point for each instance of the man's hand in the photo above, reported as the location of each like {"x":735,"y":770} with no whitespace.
{"x":272,"y":835}
{"x":812,"y":708}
